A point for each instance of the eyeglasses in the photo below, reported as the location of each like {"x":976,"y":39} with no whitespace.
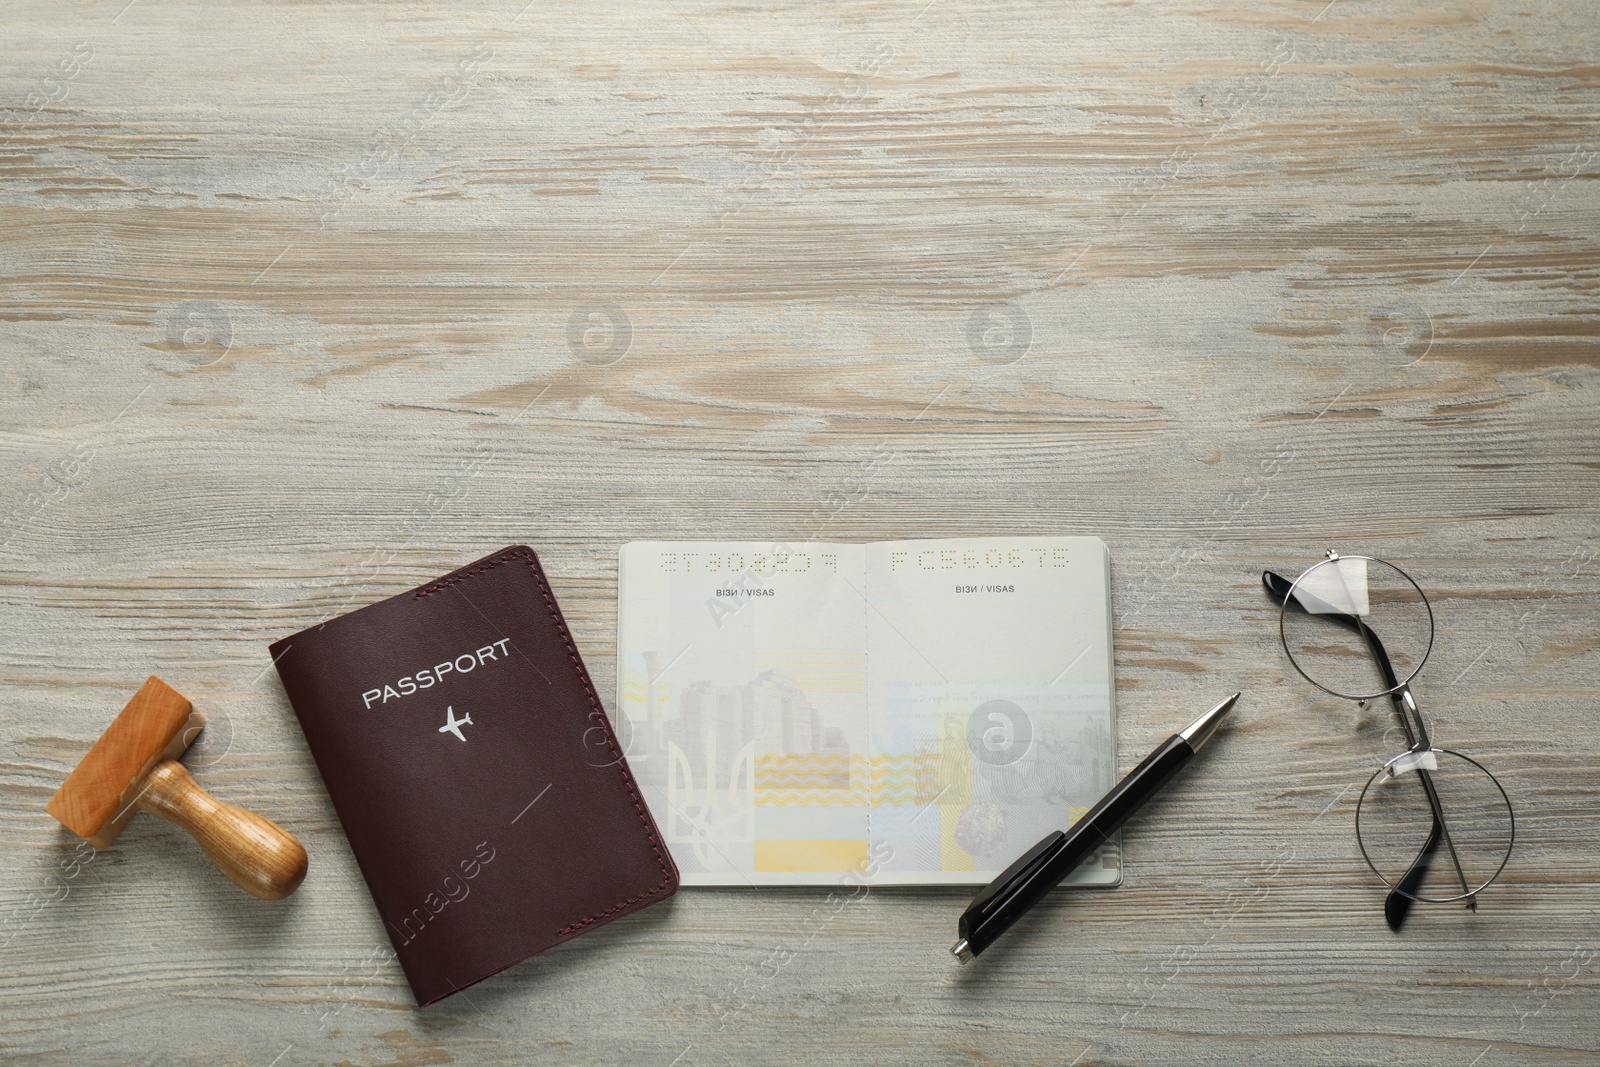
{"x":1433,"y":824}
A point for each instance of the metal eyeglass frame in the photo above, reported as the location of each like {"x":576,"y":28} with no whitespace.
{"x":1401,"y":893}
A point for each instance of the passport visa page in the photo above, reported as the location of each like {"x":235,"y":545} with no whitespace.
{"x":900,"y":713}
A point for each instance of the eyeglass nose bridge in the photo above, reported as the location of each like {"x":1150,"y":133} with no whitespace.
{"x":1411,"y":718}
{"x":1413,"y":759}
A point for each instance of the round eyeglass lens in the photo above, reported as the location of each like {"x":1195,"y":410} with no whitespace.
{"x":1435,"y":860}
{"x":1356,"y":627}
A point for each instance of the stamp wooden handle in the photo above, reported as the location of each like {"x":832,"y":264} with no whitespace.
{"x":253,"y":851}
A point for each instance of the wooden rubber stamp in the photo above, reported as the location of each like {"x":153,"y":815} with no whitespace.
{"x":134,"y":766}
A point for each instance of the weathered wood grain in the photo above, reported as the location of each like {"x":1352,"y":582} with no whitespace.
{"x":302,"y":304}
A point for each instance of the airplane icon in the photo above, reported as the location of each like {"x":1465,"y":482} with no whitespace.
{"x":453,"y":725}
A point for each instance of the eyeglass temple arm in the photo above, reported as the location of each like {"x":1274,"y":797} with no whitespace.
{"x":1398,"y":904}
{"x":1399,"y":695}
{"x":1405,"y":706}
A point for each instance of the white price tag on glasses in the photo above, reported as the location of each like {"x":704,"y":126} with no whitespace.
{"x":1338,"y":586}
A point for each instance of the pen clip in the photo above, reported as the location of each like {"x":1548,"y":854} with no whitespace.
{"x":999,"y":889}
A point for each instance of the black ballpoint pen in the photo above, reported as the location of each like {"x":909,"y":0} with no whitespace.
{"x":1025,"y":882}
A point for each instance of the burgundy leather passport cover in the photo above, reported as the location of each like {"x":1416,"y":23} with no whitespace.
{"x":483,"y":842}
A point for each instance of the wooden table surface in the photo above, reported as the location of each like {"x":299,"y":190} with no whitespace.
{"x":303,"y":304}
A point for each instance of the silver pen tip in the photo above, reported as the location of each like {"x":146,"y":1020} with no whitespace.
{"x":961,"y":950}
{"x":1199,"y":732}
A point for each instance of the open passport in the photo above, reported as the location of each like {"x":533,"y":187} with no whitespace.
{"x":899,"y":713}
